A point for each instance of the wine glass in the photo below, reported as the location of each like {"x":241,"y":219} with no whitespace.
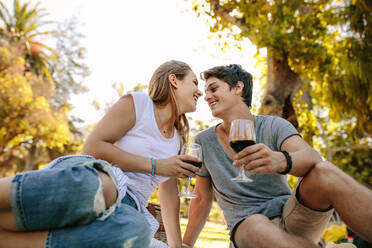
{"x":195,"y":150}
{"x":242,"y":134}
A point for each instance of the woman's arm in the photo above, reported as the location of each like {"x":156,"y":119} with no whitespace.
{"x":115,"y":124}
{"x":199,"y":210}
{"x":170,"y":208}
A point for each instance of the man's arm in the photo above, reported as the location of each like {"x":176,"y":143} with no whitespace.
{"x":199,"y":210}
{"x":303,"y":156}
{"x":260,"y":159}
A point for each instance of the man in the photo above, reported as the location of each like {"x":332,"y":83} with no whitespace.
{"x":264,"y":213}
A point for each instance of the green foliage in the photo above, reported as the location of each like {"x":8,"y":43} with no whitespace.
{"x":328,"y":45}
{"x":24,"y":23}
{"x":357,"y":163}
{"x":25,"y":19}
{"x":328,"y":42}
{"x":336,"y":141}
{"x":36,"y":82}
{"x":28,"y":119}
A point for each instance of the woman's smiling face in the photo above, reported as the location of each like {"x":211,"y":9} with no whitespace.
{"x":187,"y":93}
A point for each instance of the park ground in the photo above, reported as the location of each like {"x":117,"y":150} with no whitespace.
{"x":213,"y":235}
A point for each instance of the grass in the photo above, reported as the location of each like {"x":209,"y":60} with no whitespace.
{"x":213,"y":235}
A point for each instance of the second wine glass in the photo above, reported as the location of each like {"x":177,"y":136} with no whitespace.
{"x":195,"y":150}
{"x":242,"y":134}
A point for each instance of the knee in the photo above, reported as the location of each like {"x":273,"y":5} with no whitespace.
{"x":323,"y":173}
{"x":252,"y":228}
{"x":257,"y":223}
{"x":323,"y":177}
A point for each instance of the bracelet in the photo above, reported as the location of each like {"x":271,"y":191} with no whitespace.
{"x":153,"y":167}
{"x":289,"y":163}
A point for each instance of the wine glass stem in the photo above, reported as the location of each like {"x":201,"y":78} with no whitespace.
{"x":188,"y":184}
{"x":242,"y":171}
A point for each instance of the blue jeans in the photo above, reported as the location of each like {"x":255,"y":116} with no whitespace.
{"x":67,"y":200}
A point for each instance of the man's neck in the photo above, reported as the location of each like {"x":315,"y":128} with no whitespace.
{"x":243,"y":112}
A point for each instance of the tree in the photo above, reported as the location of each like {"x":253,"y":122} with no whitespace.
{"x":318,"y":55}
{"x":69,"y":71}
{"x":34,"y":103}
{"x":27,"y":120}
{"x":24,"y":25}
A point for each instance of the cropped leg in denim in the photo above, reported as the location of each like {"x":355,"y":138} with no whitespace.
{"x":125,"y":228}
{"x":67,"y":194}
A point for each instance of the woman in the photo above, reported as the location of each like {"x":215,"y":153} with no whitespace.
{"x":140,"y":127}
{"x":141,"y":136}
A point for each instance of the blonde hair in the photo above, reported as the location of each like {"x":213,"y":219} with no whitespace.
{"x":161,"y":92}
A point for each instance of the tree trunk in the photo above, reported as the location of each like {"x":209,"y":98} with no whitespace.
{"x":30,"y":158}
{"x":281,"y":87}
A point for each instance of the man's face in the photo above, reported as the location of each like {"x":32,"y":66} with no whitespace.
{"x":219,"y":97}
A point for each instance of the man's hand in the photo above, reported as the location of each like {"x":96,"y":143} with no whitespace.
{"x":260,"y":159}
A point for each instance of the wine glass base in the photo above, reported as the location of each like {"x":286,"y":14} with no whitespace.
{"x":187,"y":195}
{"x":240,"y":179}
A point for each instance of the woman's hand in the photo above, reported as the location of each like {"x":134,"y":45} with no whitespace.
{"x":177,"y":166}
{"x":260,"y":159}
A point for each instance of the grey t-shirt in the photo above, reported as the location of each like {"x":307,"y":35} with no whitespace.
{"x":266,"y":194}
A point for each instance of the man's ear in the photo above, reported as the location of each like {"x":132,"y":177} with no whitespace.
{"x":239,"y":87}
{"x":173,"y":80}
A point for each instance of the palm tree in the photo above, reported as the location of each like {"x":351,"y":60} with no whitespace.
{"x":25,"y":25}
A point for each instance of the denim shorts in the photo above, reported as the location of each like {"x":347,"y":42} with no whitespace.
{"x":67,"y":200}
{"x":125,"y":227}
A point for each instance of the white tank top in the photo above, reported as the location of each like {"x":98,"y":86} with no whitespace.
{"x":145,"y":139}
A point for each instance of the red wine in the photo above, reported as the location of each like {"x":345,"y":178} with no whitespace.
{"x":238,"y":145}
{"x":196,"y":164}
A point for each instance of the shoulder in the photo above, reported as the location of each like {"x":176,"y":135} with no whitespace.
{"x":141,"y":104}
{"x":268,"y":118}
{"x":139,"y":97}
{"x":270,"y":121}
{"x":142,"y":101}
{"x":205,"y":134}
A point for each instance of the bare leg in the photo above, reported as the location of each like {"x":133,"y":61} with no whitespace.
{"x":6,"y":217}
{"x":22,"y":239}
{"x":257,"y":231}
{"x":327,"y":185}
{"x":7,"y":221}
{"x":4,"y":193}
{"x":109,"y":191}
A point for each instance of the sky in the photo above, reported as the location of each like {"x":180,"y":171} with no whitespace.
{"x":127,"y":40}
